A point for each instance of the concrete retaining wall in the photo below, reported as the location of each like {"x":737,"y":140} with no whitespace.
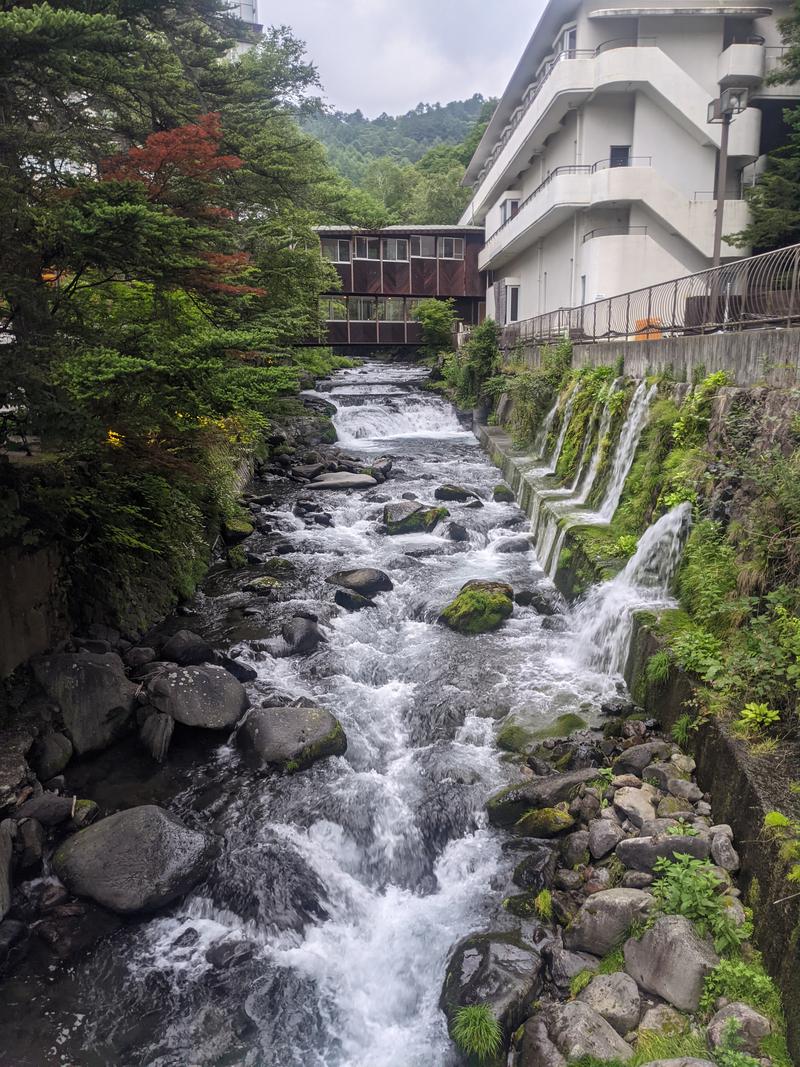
{"x":33,"y":613}
{"x":753,"y":357}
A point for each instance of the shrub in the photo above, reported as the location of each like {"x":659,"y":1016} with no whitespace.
{"x":787,"y":831}
{"x":745,"y":982}
{"x":437,"y":319}
{"x":476,"y":1032}
{"x":756,"y":718}
{"x":690,"y":887}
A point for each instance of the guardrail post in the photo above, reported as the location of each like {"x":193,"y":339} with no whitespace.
{"x":675,"y":307}
{"x":793,"y":290}
{"x":608,"y":332}
{"x":628,"y":317}
{"x":594,"y":322}
{"x":649,"y":311}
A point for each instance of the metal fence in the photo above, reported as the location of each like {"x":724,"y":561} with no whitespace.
{"x":746,"y":294}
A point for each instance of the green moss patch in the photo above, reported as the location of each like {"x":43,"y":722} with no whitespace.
{"x":479,"y":608}
{"x":563,"y":726}
{"x":545,"y":822}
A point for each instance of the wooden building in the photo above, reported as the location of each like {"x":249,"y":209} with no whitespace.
{"x":385,"y":273}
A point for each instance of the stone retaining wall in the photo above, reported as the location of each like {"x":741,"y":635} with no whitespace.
{"x":33,"y":614}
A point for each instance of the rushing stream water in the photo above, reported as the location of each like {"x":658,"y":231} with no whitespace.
{"x":345,"y":887}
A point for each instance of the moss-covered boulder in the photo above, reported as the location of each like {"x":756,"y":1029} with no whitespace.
{"x":291,"y":739}
{"x":412,"y":516}
{"x":512,"y":737}
{"x":263,"y":586}
{"x":545,"y":822}
{"x":236,"y":529}
{"x":501,"y":494}
{"x":563,"y":726}
{"x":456,"y":493}
{"x":479,"y":607}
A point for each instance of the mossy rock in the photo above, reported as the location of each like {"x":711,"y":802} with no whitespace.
{"x":277,"y":567}
{"x":501,"y":494}
{"x":523,"y":905}
{"x":511,"y":737}
{"x":236,"y":558}
{"x":545,"y":822}
{"x":563,"y":726}
{"x":263,"y":586}
{"x":410,"y":517}
{"x":236,"y":529}
{"x":479,"y":608}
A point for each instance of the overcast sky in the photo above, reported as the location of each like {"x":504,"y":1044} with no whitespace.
{"x":388,"y":55}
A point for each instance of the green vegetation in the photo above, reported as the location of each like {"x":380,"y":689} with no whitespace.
{"x":545,"y":822}
{"x":787,"y":831}
{"x":544,"y":905}
{"x":158,"y":267}
{"x":756,"y":718}
{"x":658,"y":667}
{"x":469,"y":372}
{"x":511,"y":737}
{"x":691,"y":887}
{"x":532,"y":391}
{"x":437,"y":319}
{"x":744,"y":981}
{"x":478,"y":610}
{"x":476,"y":1032}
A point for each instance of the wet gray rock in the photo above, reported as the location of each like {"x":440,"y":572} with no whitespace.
{"x":496,"y":970}
{"x":641,"y":853}
{"x":634,"y":760}
{"x":543,"y":602}
{"x":187,"y":649}
{"x":636,"y":880}
{"x":302,"y":635}
{"x":137,"y":860}
{"x":502,"y":494}
{"x":412,"y":516}
{"x":457,"y":532}
{"x":352,"y":601}
{"x":156,"y":734}
{"x":513,"y":545}
{"x":343,"y":481}
{"x":308,"y":470}
{"x":723,"y":853}
{"x":50,"y":755}
{"x":95,"y":698}
{"x":616,"y":998}
{"x":456,"y":493}
{"x":635,"y":804}
{"x":662,"y":1019}
{"x":508,"y":805}
{"x":604,"y":836}
{"x":49,"y":808}
{"x":367,"y":581}
{"x":139,"y":656}
{"x":13,"y":944}
{"x":574,"y":848}
{"x":29,"y":845}
{"x":751,"y":1028}
{"x":537,"y":870}
{"x":683,"y":790}
{"x":578,"y":1031}
{"x":242,"y":672}
{"x":291,"y":738}
{"x":207,"y":697}
{"x":6,"y":854}
{"x":605,"y":918}
{"x":672,"y":961}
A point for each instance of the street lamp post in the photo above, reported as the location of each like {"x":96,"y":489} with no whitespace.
{"x":722,"y":110}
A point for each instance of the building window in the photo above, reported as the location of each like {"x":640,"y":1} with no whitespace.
{"x":508,"y":209}
{"x":368,"y":248}
{"x":512,"y":303}
{"x":412,"y":303}
{"x":333,"y":308}
{"x":336,"y":249}
{"x":362,"y":308}
{"x":391,"y":309}
{"x":451,"y":248}
{"x":569,"y":42}
{"x":423,"y":247}
{"x":620,"y":155}
{"x":395,"y":249}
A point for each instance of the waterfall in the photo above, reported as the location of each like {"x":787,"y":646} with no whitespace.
{"x":604,"y":618}
{"x":635,"y":422}
{"x":564,"y":426}
{"x":540,"y":443}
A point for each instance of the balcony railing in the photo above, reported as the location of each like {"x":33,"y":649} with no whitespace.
{"x":570,"y":168}
{"x":614,"y":231}
{"x":751,"y":293}
{"x":536,"y":87}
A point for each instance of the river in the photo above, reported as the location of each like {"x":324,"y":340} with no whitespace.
{"x":340,"y":891}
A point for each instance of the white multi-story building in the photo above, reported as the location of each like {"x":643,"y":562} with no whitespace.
{"x":597,"y":172}
{"x":247,"y":12}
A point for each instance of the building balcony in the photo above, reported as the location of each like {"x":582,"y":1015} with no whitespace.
{"x":570,"y":80}
{"x":741,"y":64}
{"x":569,"y":189}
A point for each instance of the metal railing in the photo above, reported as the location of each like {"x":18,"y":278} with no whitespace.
{"x":748,"y":294}
{"x":570,"y":168}
{"x":614,"y":231}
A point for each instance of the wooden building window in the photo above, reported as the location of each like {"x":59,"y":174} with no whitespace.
{"x":451,"y":248}
{"x":336,"y":249}
{"x":395,"y":249}
{"x":423,"y":247}
{"x":368,"y":248}
{"x":333,"y":308}
{"x":391,"y":309}
{"x":362,"y":308}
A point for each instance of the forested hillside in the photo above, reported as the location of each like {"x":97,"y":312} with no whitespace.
{"x":409,"y":166}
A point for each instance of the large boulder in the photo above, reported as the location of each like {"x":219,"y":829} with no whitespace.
{"x":302,"y":635}
{"x":412,"y":516}
{"x":136,"y":860}
{"x":187,"y":649}
{"x":641,"y":853}
{"x":604,"y":836}
{"x":343,"y":481}
{"x":510,"y":545}
{"x":507,"y":806}
{"x":455,"y":493}
{"x":496,"y":970}
{"x":208,"y":697}
{"x":50,"y":755}
{"x":672,"y":961}
{"x":750,"y":1026}
{"x":480,"y":606}
{"x":352,"y":601}
{"x":94,"y":696}
{"x":367,"y":581}
{"x":634,"y":760}
{"x":545,"y":822}
{"x":535,"y":1047}
{"x":291,"y":738}
{"x":637,"y":805}
{"x":578,"y":1031}
{"x":537,"y":870}
{"x":616,"y":998}
{"x":605,"y":918}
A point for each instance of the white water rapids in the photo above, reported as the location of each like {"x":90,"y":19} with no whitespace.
{"x":350,"y":883}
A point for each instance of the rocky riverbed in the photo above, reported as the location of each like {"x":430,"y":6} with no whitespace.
{"x":259,"y":835}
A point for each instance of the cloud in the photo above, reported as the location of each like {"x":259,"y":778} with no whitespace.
{"x":389,"y":55}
